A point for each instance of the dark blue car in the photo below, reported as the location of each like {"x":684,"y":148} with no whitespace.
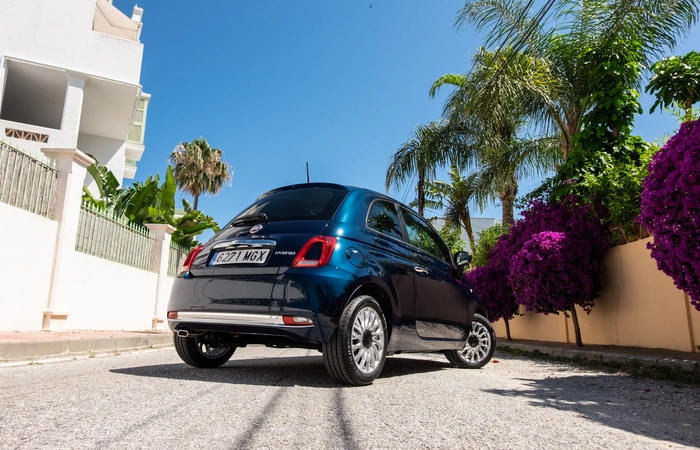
{"x":347,"y":271}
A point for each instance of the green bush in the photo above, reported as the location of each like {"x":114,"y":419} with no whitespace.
{"x":487,"y":240}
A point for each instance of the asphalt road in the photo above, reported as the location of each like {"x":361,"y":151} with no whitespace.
{"x":283,"y":399}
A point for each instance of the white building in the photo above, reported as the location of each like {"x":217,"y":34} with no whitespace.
{"x":69,"y":78}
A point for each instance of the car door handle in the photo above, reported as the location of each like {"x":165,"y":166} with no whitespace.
{"x":421,"y":270}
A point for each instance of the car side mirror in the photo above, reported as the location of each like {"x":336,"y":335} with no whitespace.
{"x":463,"y":258}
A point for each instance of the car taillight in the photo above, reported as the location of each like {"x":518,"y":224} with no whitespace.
{"x":187,"y":265}
{"x":316,"y":253}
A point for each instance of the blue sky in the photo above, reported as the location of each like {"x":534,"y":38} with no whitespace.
{"x":278,"y":83}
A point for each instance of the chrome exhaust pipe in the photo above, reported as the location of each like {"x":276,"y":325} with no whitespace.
{"x":183,"y":333}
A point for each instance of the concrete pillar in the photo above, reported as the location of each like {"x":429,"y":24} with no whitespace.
{"x":73,"y":104}
{"x":71,"y":165}
{"x":161,"y":256}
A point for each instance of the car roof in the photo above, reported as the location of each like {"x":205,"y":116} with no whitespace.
{"x":293,"y":187}
{"x":347,"y":188}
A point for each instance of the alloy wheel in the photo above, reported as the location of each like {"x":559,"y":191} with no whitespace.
{"x":367,"y":340}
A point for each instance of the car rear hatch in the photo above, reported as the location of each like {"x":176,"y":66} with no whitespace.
{"x":271,"y":249}
{"x":267,"y":236}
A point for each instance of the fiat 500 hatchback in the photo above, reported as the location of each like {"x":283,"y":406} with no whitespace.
{"x":347,"y":271}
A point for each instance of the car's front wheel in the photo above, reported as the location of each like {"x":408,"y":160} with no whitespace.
{"x":196,"y":352}
{"x":478,"y":348}
{"x":356,"y":352}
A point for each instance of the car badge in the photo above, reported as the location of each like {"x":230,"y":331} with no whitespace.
{"x":256,"y":228}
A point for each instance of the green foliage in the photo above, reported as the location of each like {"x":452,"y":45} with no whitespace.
{"x":149,"y":202}
{"x":107,"y":183}
{"x":454,"y":198}
{"x":486,"y":242}
{"x":606,"y":163}
{"x":111,"y":197}
{"x":451,"y":236}
{"x":615,"y":179}
{"x":676,"y":81}
{"x":614,"y":71}
{"x":193,"y":223}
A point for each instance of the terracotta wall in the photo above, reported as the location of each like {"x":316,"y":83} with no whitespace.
{"x":639,"y":307}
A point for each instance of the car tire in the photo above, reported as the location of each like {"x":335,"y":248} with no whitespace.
{"x":478,"y":348}
{"x":195,"y":352}
{"x":356,"y":352}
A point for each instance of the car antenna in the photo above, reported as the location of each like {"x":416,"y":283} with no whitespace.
{"x":307,"y":172}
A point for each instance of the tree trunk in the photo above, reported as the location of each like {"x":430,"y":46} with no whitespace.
{"x":507,"y":198}
{"x":577,"y":329}
{"x":196,"y":202}
{"x":507,"y":329}
{"x":470,"y":233}
{"x":421,"y":195}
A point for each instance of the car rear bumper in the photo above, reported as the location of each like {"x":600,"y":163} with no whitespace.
{"x":255,"y":304}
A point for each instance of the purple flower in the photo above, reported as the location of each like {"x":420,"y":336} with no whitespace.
{"x":552,"y":257}
{"x":554,"y":271}
{"x":671,"y":209}
{"x":491,"y":285}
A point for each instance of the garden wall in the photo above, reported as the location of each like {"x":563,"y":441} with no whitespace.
{"x":28,"y":243}
{"x":68,"y":268}
{"x":108,"y":296}
{"x":639,"y":307}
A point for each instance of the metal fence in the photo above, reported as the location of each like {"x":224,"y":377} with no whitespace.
{"x":176,"y":258}
{"x":27,"y":183}
{"x":105,"y":236}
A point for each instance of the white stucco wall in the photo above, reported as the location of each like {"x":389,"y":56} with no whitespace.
{"x":59,"y":33}
{"x":162,"y":312}
{"x":28,"y":245}
{"x":108,"y":296}
{"x":57,"y":138}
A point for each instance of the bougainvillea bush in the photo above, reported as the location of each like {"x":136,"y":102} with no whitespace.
{"x":580,"y":220}
{"x":587,"y":241}
{"x":554,"y":271}
{"x":490,"y":284}
{"x":671,"y":209}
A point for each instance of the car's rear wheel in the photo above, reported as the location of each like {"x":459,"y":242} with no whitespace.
{"x":196,"y":352}
{"x":356,"y":352}
{"x":478,"y":348}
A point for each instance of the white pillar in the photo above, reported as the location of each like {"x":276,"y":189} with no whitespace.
{"x":161,"y":256}
{"x":73,"y":104}
{"x":71,"y":165}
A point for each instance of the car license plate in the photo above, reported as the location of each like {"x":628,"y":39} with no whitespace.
{"x":246,"y":256}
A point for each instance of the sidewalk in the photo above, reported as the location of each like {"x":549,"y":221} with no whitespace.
{"x":610,"y":353}
{"x":33,"y":345}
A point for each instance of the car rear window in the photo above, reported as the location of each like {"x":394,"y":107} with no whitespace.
{"x":298,"y":204}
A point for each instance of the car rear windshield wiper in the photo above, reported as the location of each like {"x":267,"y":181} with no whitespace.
{"x":250,"y":218}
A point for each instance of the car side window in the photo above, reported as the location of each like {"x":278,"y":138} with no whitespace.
{"x":422,"y":236}
{"x":382,"y":217}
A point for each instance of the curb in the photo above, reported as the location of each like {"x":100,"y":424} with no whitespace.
{"x":28,"y":350}
{"x":593,"y":355}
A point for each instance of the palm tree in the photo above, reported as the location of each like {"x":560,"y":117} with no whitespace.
{"x":541,"y":63}
{"x":420,"y":156}
{"x":497,"y":150}
{"x":199,"y":169}
{"x":454,"y":197}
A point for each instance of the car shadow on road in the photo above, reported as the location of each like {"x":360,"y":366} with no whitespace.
{"x":278,"y":371}
{"x":660,"y":411}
